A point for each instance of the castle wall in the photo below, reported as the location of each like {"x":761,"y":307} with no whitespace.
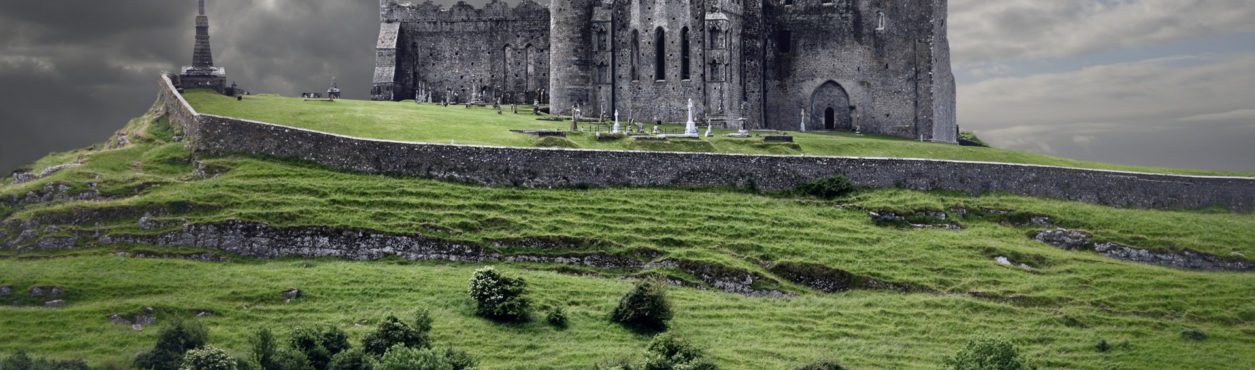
{"x":885,"y":68}
{"x":548,"y":168}
{"x":494,"y":52}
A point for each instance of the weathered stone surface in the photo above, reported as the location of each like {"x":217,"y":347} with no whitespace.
{"x":1077,"y":240}
{"x":1066,"y":239}
{"x":56,"y":303}
{"x":6,"y":290}
{"x":292,"y":293}
{"x":117,"y":319}
{"x":550,"y":168}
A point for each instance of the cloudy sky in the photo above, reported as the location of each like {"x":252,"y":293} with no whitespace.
{"x":1146,"y":82}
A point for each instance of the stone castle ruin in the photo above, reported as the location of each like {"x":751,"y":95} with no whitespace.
{"x":873,"y":66}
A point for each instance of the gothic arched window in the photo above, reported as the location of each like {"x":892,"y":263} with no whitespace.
{"x":660,"y":54}
{"x":636,"y":54}
{"x":716,"y":38}
{"x":601,"y":39}
{"x":880,"y":21}
{"x":684,"y":53}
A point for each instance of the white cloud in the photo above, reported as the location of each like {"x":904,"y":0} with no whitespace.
{"x":984,"y":30}
{"x":1233,"y":115}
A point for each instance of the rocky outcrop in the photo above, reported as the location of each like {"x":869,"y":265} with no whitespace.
{"x":1187,"y":260}
{"x":830,"y":280}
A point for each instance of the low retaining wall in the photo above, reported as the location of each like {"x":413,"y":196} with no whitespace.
{"x":544,"y":168}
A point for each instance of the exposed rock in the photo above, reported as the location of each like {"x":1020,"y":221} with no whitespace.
{"x":147,"y":223}
{"x":6,"y":290}
{"x":137,"y":327}
{"x":885,"y":217}
{"x":1041,"y":221}
{"x":54,"y":303}
{"x":1003,"y":261}
{"x":117,"y":319}
{"x":23,"y":177}
{"x":1076,"y":240}
{"x":145,"y":320}
{"x":292,"y":293}
{"x":204,"y":314}
{"x":924,"y":219}
{"x":36,"y":292}
{"x":729,"y":279}
{"x":1066,"y":239}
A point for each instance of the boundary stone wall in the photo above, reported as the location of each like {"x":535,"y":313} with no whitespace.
{"x":555,"y":168}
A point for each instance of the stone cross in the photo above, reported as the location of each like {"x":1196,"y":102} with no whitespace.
{"x":690,"y":127}
{"x":615,"y":129}
{"x":803,"y":120}
{"x":710,"y":128}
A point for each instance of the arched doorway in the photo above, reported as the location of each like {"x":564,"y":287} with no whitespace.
{"x":830,"y":104}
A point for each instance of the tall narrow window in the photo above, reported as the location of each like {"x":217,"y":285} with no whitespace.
{"x":716,"y":38}
{"x":603,"y":74}
{"x":601,"y":39}
{"x":880,"y":21}
{"x":636,"y":54}
{"x":660,"y":54}
{"x":784,"y":41}
{"x":715,"y":74}
{"x":684,"y":53}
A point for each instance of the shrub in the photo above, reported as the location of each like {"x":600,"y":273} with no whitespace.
{"x":207,"y":358}
{"x":23,"y":361}
{"x":353,"y":359}
{"x":828,"y":188}
{"x":264,"y":350}
{"x":556,"y":317}
{"x":406,"y":358}
{"x":644,"y":307}
{"x":968,"y":138}
{"x":393,"y":332}
{"x":823,"y":365}
{"x":1102,"y":346}
{"x":459,"y":360}
{"x":172,"y":343}
{"x":987,"y":354}
{"x":669,"y":352}
{"x":319,"y":344}
{"x":1194,"y":335}
{"x":499,"y":297}
{"x":290,"y":359}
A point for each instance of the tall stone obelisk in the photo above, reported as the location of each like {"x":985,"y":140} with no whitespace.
{"x":202,"y":56}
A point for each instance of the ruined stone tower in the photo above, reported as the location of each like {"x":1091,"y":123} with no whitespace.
{"x":202,"y":73}
{"x":872,"y":66}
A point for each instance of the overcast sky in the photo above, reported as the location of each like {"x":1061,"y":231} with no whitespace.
{"x":1146,"y":82}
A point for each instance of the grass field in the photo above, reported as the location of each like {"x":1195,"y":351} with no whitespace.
{"x":1056,"y":312}
{"x":406,"y":121}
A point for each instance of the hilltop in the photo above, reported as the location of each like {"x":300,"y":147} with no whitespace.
{"x":882,"y":278}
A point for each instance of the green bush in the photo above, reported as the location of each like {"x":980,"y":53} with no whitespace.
{"x":172,"y":343}
{"x":207,"y":358}
{"x":392,"y":332}
{"x":406,"y":358}
{"x":968,"y":138}
{"x":828,"y":188}
{"x":669,"y":352}
{"x":459,"y":360}
{"x":353,"y":359}
{"x":556,"y":317}
{"x":823,"y":365}
{"x":264,"y":350}
{"x":987,"y":354}
{"x":644,"y":307}
{"x":1102,"y":346}
{"x":499,"y":297}
{"x":290,"y":359}
{"x":22,"y":361}
{"x":319,"y":344}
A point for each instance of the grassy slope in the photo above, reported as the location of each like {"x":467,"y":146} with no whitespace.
{"x":432,"y":123}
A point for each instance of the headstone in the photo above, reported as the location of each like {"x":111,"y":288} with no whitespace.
{"x":656,"y":130}
{"x":690,"y":127}
{"x":803,"y":120}
{"x":710,"y":129}
{"x":615,"y":129}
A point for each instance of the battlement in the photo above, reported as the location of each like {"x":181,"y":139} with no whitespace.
{"x":497,"y":10}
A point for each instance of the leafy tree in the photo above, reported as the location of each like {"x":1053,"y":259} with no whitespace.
{"x":353,"y":359}
{"x":172,"y":343}
{"x":319,"y":344}
{"x":499,"y":297}
{"x":987,"y":354}
{"x":264,"y":349}
{"x":644,"y":307}
{"x":392,"y":332}
{"x":207,"y":358}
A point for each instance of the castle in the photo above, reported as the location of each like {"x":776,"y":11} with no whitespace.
{"x":873,"y":66}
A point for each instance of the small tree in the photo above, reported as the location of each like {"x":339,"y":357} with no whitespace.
{"x":405,"y":358}
{"x":644,"y":307}
{"x":556,"y":317}
{"x":499,"y":297}
{"x":172,"y":343}
{"x":353,"y":359}
{"x":319,"y":344}
{"x":290,"y":359}
{"x":207,"y":358}
{"x":669,"y":352}
{"x":264,"y":349}
{"x":392,"y":332}
{"x":987,"y":354}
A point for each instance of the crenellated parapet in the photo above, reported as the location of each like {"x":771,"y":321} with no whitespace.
{"x":496,"y":10}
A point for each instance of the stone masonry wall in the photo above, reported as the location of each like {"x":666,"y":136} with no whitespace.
{"x":552,"y":168}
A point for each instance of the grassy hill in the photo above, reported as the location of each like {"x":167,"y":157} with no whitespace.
{"x":406,"y":121}
{"x":938,"y":288}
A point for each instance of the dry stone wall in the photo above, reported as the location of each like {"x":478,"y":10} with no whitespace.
{"x":553,"y":168}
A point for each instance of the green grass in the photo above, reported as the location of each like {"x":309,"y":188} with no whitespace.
{"x":1057,"y":312}
{"x":406,"y":121}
